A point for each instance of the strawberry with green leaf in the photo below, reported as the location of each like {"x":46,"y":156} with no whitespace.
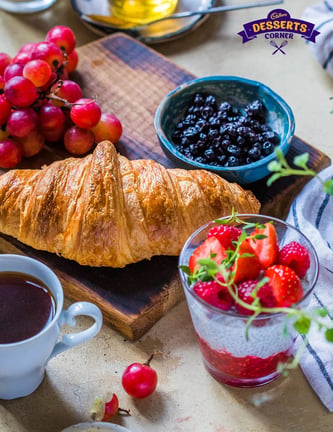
{"x":210,"y":248}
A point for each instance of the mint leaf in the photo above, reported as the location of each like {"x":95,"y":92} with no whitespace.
{"x":185,"y":269}
{"x":328,"y":187}
{"x":273,"y":178}
{"x":302,"y":325}
{"x":329,"y":335}
{"x":301,"y":160}
{"x":274,"y":166}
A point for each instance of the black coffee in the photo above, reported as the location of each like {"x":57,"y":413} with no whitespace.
{"x":26,"y":306}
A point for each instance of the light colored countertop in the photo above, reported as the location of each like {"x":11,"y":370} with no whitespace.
{"x":187,"y":398}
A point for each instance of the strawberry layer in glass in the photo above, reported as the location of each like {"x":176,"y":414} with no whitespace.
{"x":248,"y":371}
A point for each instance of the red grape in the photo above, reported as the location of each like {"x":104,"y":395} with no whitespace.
{"x":51,"y":117}
{"x":68,"y":90}
{"x":2,"y":82}
{"x":21,"y":122}
{"x":72,"y":61}
{"x":54,"y":135}
{"x":78,"y":141}
{"x":5,"y":60}
{"x":62,"y":36}
{"x":10,"y":153}
{"x":12,"y":70}
{"x":27,"y":48}
{"x":20,"y":92}
{"x":50,"y":52}
{"x":85,"y":113}
{"x":139,"y":380}
{"x":38,"y":72}
{"x":32,"y":143}
{"x":22,"y":57}
{"x":108,"y":128}
{"x":5,"y":109}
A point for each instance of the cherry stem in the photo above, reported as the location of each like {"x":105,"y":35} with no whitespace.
{"x":147,"y":363}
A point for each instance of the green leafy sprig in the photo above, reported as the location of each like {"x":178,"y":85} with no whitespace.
{"x":281,"y":168}
{"x":208,"y":269}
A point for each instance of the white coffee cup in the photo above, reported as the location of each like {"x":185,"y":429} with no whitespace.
{"x":22,"y":364}
{"x":25,"y":6}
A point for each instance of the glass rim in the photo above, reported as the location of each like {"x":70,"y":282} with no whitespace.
{"x":183,"y":276}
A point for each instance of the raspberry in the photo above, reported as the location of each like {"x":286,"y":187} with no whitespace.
{"x":295,"y":256}
{"x":244,"y":291}
{"x":214,"y":294}
{"x":226,"y":234}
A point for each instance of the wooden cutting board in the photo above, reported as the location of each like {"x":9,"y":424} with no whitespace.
{"x":130,"y":79}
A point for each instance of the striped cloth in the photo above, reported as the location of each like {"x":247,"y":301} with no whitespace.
{"x":321,"y":15}
{"x":311,"y":212}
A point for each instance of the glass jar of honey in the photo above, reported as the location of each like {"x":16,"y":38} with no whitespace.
{"x":142,"y":11}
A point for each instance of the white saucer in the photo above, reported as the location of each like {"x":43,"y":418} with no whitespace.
{"x":159,"y":32}
{"x":96,"y":427}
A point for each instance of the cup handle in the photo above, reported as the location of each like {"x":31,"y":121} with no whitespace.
{"x":68,"y":317}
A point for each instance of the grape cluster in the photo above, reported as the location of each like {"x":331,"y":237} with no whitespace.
{"x":39,"y":103}
{"x":219,"y":134}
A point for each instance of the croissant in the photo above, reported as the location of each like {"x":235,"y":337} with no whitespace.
{"x":105,"y":210}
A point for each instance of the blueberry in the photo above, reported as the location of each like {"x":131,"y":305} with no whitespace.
{"x":256,"y":109}
{"x":207,"y":111}
{"x":272,"y":136}
{"x":234,"y":150}
{"x":185,"y":141}
{"x":267,"y":148}
{"x":232,"y":161}
{"x":225,"y":107}
{"x":212,"y":133}
{"x":214,"y":122}
{"x":225,"y":143}
{"x":222,"y":159}
{"x":210,"y":100}
{"x":190,"y":132}
{"x":201,"y":125}
{"x":190,"y":119}
{"x":254,"y":153}
{"x":198,"y":99}
{"x":210,"y":154}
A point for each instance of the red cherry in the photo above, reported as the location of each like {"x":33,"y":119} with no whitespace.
{"x":139,"y":380}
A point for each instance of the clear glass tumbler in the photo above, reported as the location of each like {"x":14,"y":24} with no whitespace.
{"x":25,"y":6}
{"x":229,"y":355}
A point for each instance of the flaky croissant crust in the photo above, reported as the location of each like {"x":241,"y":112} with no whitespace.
{"x":105,"y":210}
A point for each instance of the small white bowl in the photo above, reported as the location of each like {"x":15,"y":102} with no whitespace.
{"x":96,"y":426}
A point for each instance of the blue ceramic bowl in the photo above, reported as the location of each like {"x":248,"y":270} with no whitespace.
{"x":239,"y":92}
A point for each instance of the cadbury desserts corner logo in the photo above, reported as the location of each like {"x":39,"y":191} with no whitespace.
{"x":278,"y":25}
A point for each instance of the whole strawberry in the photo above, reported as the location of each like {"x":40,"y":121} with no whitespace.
{"x":214,"y":294}
{"x":226,"y":234}
{"x":244,"y":292}
{"x":295,"y":256}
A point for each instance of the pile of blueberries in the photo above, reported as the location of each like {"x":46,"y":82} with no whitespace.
{"x":219,"y":134}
